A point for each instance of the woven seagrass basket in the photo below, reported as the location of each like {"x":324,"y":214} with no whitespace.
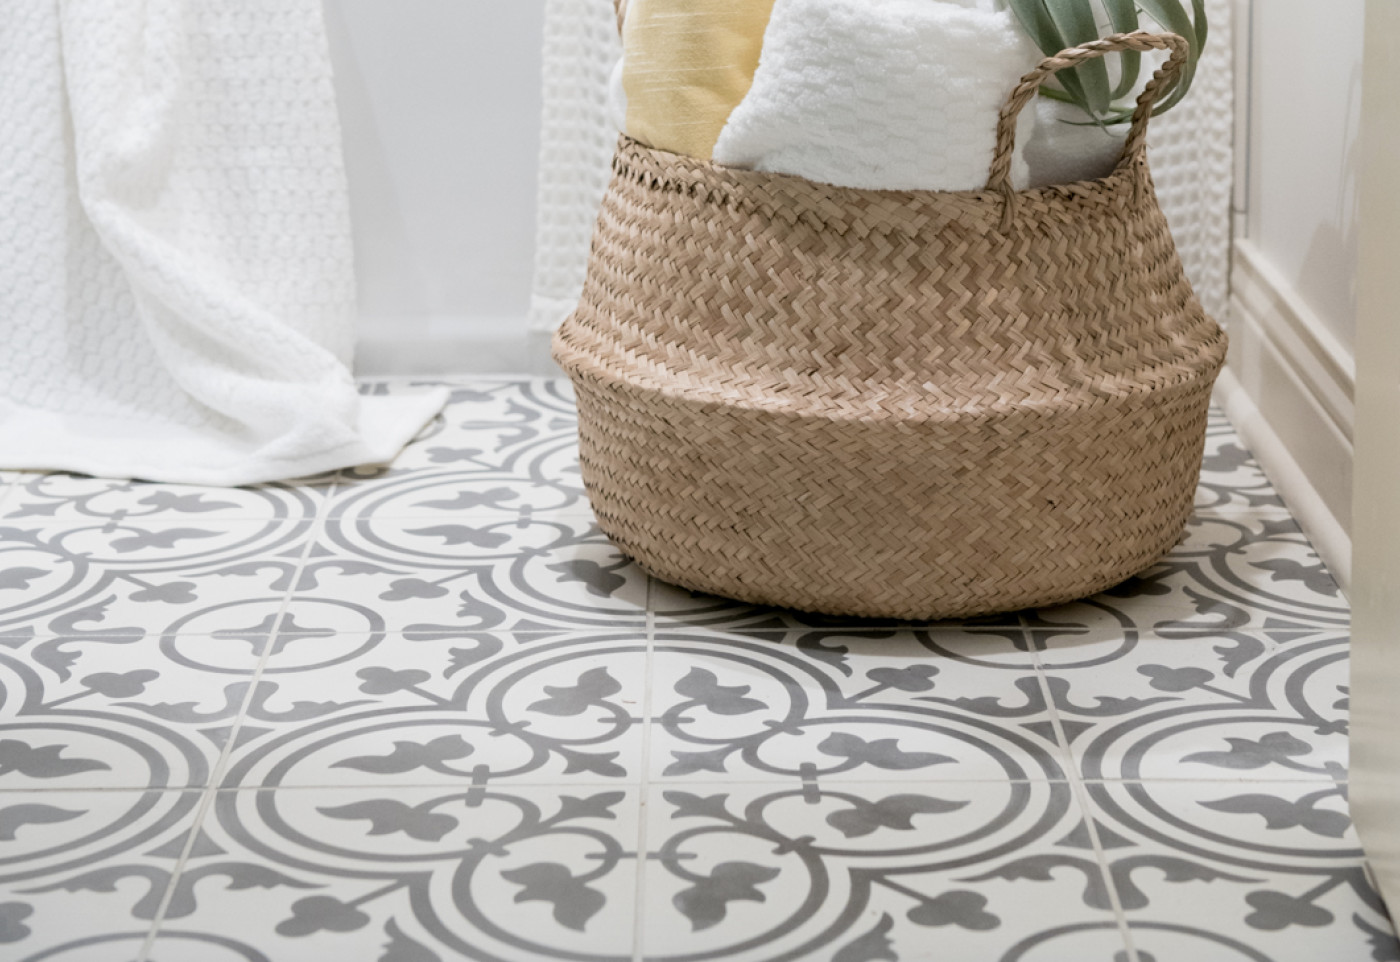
{"x":901,"y":404}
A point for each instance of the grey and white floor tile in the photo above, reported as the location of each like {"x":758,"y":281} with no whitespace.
{"x":512,"y":574}
{"x":130,"y":712}
{"x":480,"y":709}
{"x":85,"y":874}
{"x":70,"y":498}
{"x":154,"y":575}
{"x":426,"y":712}
{"x":1230,"y":477}
{"x":450,"y":872}
{"x":1267,"y":870}
{"x":821,"y":705}
{"x":863,"y":871}
{"x":1207,"y":707}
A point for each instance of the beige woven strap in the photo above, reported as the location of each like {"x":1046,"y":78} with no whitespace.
{"x":620,"y":6}
{"x":999,"y":177}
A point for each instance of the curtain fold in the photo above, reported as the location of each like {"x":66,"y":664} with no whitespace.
{"x":177,"y":279}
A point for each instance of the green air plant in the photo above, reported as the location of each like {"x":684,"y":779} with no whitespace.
{"x":1057,"y":24}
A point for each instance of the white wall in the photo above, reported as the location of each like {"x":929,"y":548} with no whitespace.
{"x":440,"y":103}
{"x":1290,"y":383}
{"x":1304,"y":161}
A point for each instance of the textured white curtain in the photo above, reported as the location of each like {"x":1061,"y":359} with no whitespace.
{"x":1191,"y":156}
{"x":176,"y":277}
{"x":1191,"y":150}
{"x":581,"y":46}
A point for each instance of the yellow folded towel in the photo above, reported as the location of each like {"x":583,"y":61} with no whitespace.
{"x":686,"y":66}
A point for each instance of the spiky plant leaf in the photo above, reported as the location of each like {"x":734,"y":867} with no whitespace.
{"x":1054,"y":25}
{"x":1123,"y":17}
{"x":1075,"y":20}
{"x":1173,"y":17}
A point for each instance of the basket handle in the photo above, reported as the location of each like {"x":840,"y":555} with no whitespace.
{"x":999,"y":176}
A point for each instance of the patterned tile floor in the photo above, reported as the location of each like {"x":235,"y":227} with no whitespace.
{"x":425,"y":713}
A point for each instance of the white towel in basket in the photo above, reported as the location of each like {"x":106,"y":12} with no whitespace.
{"x":884,"y":94}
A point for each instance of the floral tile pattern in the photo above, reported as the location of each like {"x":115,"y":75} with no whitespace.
{"x":525,"y":574}
{"x":85,"y":875}
{"x":69,"y":498}
{"x":1227,"y":706}
{"x":452,"y":872}
{"x":425,"y":711}
{"x":865,"y":871}
{"x":109,"y":711}
{"x":141,"y":576}
{"x":1270,"y":871}
{"x":1230,"y":477}
{"x":475,"y":708}
{"x":821,"y":705}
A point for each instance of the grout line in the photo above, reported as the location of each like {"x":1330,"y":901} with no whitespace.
{"x":644,"y":783}
{"x":317,"y":528}
{"x":561,"y":633}
{"x":1273,"y":512}
{"x":484,"y":516}
{"x":675,"y":628}
{"x":1086,"y":808}
{"x":210,"y":791}
{"x":452,"y":379}
{"x":161,"y":519}
{"x":206,"y":801}
{"x":106,"y":790}
{"x":600,"y":783}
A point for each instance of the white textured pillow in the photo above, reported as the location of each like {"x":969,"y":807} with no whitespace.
{"x":885,"y":94}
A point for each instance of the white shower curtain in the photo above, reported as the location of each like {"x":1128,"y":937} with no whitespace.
{"x":176,"y":276}
{"x":1191,"y":156}
{"x":577,"y":138}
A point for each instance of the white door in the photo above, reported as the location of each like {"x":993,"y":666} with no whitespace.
{"x":1375,"y":687}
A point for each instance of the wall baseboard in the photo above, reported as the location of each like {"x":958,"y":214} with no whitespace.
{"x":394,"y":346}
{"x":1289,"y":387}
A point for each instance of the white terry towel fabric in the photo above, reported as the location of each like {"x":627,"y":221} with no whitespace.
{"x":1063,"y":148}
{"x":176,"y":273}
{"x":881,"y":94}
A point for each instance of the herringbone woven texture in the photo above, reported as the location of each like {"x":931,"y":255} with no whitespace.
{"x":906,"y":404}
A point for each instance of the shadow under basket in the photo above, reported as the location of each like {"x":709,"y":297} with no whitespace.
{"x":908,"y":404}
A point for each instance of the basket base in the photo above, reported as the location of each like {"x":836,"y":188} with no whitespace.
{"x":852,"y":605}
{"x":912,"y":520}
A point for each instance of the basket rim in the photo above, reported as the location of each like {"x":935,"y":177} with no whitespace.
{"x":1127,"y":172}
{"x":1194,"y":352}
